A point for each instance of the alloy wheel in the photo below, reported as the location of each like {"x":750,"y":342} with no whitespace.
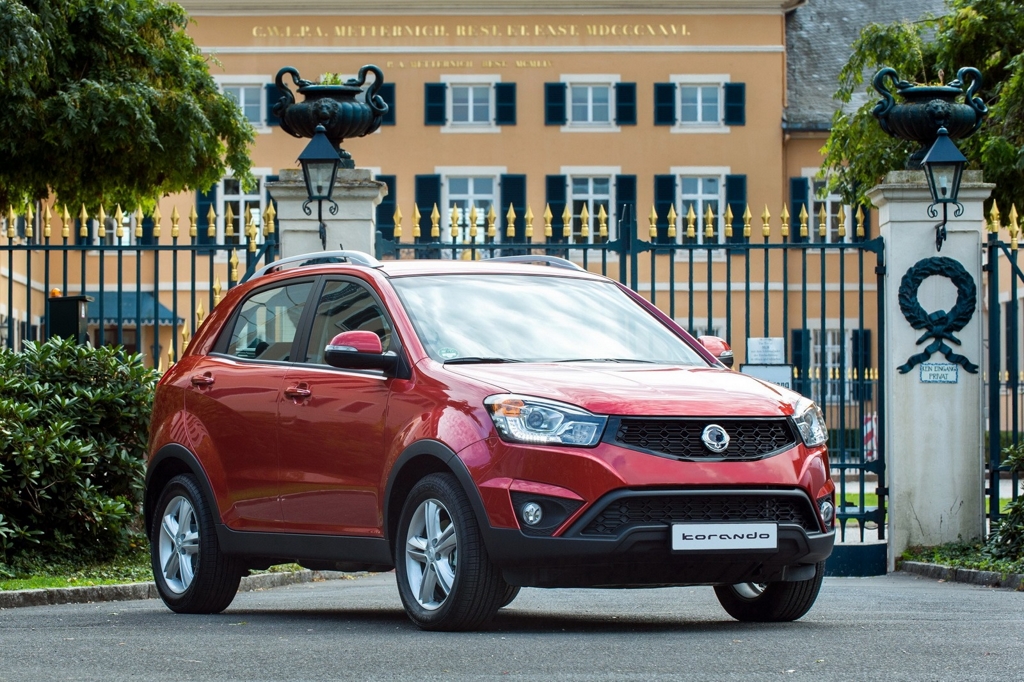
{"x":431,"y":554}
{"x":179,"y":544}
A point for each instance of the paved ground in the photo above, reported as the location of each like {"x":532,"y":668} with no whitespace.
{"x":895,"y":627}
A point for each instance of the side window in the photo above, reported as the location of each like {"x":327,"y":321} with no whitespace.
{"x":343,"y":307}
{"x":267,"y":323}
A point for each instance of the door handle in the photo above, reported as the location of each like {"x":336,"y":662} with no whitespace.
{"x":202,"y":379}
{"x":297,"y":392}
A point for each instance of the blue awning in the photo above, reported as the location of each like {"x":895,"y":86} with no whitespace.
{"x":129,"y":312}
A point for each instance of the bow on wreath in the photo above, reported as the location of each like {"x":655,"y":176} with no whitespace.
{"x":940,"y":324}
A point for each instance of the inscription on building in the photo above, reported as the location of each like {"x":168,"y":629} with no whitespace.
{"x":407,"y":31}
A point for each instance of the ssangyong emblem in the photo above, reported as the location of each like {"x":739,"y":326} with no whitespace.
{"x":715,"y":438}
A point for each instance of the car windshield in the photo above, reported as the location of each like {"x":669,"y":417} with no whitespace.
{"x":530,"y":318}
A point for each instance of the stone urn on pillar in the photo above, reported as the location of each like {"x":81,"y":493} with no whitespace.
{"x":336,"y":107}
{"x":926,"y":108}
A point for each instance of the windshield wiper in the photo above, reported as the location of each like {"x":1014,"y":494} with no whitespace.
{"x":477,"y":360}
{"x":605,"y":360}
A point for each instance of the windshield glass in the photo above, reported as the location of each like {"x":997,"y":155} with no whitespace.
{"x":527,"y":318}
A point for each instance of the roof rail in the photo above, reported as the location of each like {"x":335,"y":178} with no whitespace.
{"x":319,"y":258}
{"x":552,"y":261}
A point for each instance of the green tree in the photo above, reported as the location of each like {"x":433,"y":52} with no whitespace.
{"x":985,"y":34}
{"x":109,"y":101}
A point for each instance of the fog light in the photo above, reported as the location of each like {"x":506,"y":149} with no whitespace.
{"x":828,"y":512}
{"x":532,"y":513}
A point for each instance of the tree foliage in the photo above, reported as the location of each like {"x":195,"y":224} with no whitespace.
{"x":986,"y":34}
{"x":109,"y":101}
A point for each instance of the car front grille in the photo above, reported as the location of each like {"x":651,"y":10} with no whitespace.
{"x":665,"y":509}
{"x":680,"y":438}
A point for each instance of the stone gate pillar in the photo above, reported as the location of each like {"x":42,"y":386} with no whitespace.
{"x":934,"y":422}
{"x":354,"y":226}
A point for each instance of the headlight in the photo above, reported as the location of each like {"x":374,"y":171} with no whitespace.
{"x":810,"y":422}
{"x":522,"y":419}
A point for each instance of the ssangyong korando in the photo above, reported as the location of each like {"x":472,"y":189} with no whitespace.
{"x":479,"y":427}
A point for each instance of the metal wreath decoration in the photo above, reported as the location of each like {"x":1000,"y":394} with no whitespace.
{"x":940,"y":324}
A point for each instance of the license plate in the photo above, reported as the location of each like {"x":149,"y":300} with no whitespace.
{"x":687,"y":537}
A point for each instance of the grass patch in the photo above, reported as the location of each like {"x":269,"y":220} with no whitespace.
{"x":964,"y":555}
{"x":36,"y":572}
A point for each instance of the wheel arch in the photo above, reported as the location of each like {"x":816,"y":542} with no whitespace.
{"x":172,"y":460}
{"x":420,"y":459}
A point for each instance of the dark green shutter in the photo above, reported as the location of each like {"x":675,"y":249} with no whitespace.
{"x":861,"y":347}
{"x":505,"y":104}
{"x":387,"y":93}
{"x":272,"y":95}
{"x":204,"y":200}
{"x":428,"y":194}
{"x":556,"y":192}
{"x":625,"y":104}
{"x":800,"y":357}
{"x":664,"y":104}
{"x":435,"y":101}
{"x":513,"y":191}
{"x":799,"y":198}
{"x":625,"y":199}
{"x":735,"y":104}
{"x":554,"y":104}
{"x":386,"y":208}
{"x":664,"y":199}
{"x":736,"y":199}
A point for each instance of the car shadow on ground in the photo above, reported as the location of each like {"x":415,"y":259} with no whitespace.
{"x":518,"y":621}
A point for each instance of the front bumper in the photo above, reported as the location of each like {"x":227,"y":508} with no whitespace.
{"x":637,"y":552}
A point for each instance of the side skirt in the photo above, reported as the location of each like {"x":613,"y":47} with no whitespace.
{"x":323,"y":552}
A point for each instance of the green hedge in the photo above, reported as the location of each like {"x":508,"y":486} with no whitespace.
{"x":74,"y":423}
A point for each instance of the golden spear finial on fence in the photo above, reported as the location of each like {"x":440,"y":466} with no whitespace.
{"x":216,"y":290}
{"x":473,"y":217}
{"x":1014,"y":227}
{"x":30,"y":219}
{"x":435,"y":222}
{"x":566,"y":222}
{"x":822,"y":222}
{"x":765,"y":224}
{"x":211,"y":223}
{"x":416,"y":217}
{"x":803,"y":221}
{"x":728,"y":221}
{"x":175,"y":219}
{"x":841,"y":216}
{"x":47,"y":219}
{"x":101,"y":223}
{"x":11,"y":218}
{"x":994,"y":224}
{"x":860,"y":221}
{"x":270,"y":215}
{"x":83,"y":223}
{"x":653,"y":218}
{"x":529,"y":223}
{"x":139,"y":217}
{"x":548,"y":215}
{"x":602,"y":223}
{"x":784,"y":216}
{"x":193,"y":222}
{"x":119,"y":221}
{"x":233,"y":261}
{"x":747,"y":217}
{"x":396,"y":235}
{"x":453,"y":221}
{"x":65,"y":223}
{"x":510,"y":222}
{"x":229,"y":221}
{"x":157,"y":220}
{"x":492,"y":218}
{"x":584,"y":222}
{"x":200,"y":313}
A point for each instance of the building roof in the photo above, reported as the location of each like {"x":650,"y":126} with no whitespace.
{"x":818,"y":39}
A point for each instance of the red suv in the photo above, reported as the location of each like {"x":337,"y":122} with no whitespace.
{"x":479,"y":427}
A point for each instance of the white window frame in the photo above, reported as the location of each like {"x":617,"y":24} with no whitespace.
{"x":222,"y":199}
{"x":592,"y":172}
{"x":249,"y":81}
{"x":484,"y":80}
{"x":682,"y":80}
{"x":445,"y":224}
{"x":832,"y":203}
{"x":590,"y":80}
{"x":700,"y":172}
{"x":831,"y":354}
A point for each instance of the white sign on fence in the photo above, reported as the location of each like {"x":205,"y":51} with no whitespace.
{"x":766,"y":350}
{"x":776,"y":374}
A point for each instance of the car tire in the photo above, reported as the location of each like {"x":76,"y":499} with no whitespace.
{"x":773,"y":602}
{"x":192,"y":575}
{"x":511,"y":592}
{"x":445,"y":577}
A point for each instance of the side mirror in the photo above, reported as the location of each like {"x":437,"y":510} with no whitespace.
{"x":358,"y":350}
{"x":717,"y":347}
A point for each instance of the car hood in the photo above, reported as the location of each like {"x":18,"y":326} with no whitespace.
{"x":632,"y":389}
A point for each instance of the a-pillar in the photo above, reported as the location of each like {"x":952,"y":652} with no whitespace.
{"x":352,"y":228}
{"x":933,"y":410}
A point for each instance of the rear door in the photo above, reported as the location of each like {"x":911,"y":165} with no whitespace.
{"x":332,"y":421}
{"x":235,"y":392}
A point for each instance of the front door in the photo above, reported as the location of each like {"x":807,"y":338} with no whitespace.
{"x":332,"y":423}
